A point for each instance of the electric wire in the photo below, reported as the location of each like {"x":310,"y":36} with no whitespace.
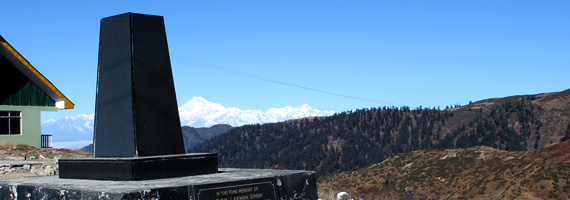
{"x":204,"y":65}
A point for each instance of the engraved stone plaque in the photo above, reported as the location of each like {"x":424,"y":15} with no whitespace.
{"x":261,"y":189}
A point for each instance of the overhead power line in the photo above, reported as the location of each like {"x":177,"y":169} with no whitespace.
{"x":204,"y":65}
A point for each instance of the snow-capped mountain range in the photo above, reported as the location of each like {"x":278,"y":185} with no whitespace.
{"x":198,"y":112}
{"x":70,"y":132}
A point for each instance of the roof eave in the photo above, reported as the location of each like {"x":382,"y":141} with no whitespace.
{"x":34,"y":75}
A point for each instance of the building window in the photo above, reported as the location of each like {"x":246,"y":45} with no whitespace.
{"x":10,"y":122}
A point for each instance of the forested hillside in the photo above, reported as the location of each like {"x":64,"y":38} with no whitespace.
{"x":350,"y":140}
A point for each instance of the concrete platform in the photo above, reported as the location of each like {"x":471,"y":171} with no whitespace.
{"x":229,"y":184}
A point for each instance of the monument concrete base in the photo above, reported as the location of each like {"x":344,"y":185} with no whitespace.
{"x":228,"y":184}
{"x":139,"y":168}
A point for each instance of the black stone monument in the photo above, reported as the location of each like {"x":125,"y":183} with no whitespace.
{"x":137,"y":126}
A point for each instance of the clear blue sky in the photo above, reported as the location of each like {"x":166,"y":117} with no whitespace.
{"x":428,"y":53}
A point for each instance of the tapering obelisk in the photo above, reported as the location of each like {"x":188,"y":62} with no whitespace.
{"x":136,"y":110}
{"x":137,"y":127}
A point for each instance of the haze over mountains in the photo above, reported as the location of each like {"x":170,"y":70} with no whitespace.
{"x":77,"y":131}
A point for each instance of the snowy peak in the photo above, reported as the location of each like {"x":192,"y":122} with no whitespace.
{"x":201,"y":106}
{"x":199,"y":112}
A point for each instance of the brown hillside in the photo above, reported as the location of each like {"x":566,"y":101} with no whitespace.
{"x":473,"y":173}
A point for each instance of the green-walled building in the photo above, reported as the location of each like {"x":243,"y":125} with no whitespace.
{"x":24,"y":93}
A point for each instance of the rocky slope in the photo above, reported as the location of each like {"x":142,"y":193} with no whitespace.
{"x":473,"y":173}
{"x":22,"y":160}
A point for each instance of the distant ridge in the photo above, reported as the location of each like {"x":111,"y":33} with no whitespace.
{"x":192,"y":136}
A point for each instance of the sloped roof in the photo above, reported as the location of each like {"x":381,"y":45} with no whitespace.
{"x":6,"y":50}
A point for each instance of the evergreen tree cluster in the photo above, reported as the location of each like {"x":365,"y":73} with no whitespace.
{"x":506,"y":126}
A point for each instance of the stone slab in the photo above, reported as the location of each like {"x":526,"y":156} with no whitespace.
{"x":9,"y":163}
{"x":230,"y":183}
{"x":138,"y":168}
